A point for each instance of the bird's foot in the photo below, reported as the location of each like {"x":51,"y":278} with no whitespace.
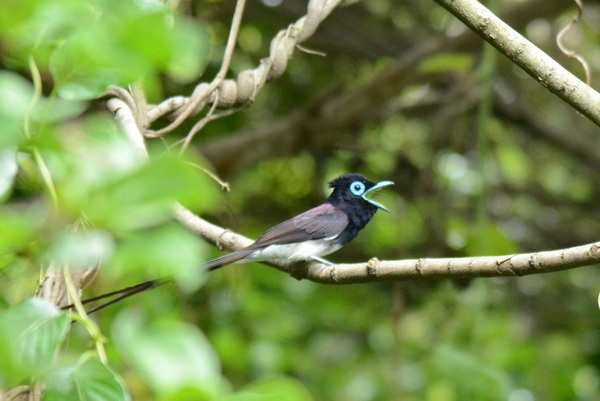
{"x":325,"y":263}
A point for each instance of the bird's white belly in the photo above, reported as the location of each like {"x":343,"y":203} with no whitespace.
{"x":294,"y":252}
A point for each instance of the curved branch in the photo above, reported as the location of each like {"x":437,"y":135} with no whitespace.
{"x":226,"y":93}
{"x":527,"y":56}
{"x":395,"y":270}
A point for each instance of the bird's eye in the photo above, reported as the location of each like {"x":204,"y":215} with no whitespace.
{"x":357,"y":188}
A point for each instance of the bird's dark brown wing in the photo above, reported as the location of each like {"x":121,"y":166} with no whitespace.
{"x":320,"y":222}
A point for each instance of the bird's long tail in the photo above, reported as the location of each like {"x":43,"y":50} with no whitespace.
{"x":227,"y":259}
{"x":127,"y":292}
{"x":121,"y":294}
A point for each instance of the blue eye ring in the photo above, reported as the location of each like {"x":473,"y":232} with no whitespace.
{"x":357,"y":188}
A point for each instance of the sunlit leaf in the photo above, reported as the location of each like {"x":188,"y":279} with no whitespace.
{"x":165,"y":250}
{"x":125,"y":42}
{"x":17,"y":229}
{"x":514,"y":163}
{"x":145,"y":197}
{"x":81,"y":248}
{"x":79,"y":77}
{"x":88,"y":381}
{"x":30,"y":334}
{"x":191,"y":50}
{"x":16,"y":95}
{"x":8,"y":170}
{"x":271,"y":389}
{"x":447,"y":62}
{"x":170,"y":355}
{"x":280,"y":388}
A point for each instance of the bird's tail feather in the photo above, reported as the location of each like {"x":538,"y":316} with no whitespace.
{"x":127,"y":292}
{"x":121,"y":294}
{"x":227,"y":259}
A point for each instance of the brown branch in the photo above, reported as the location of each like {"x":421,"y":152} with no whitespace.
{"x":526,"y":55}
{"x":226,"y":93}
{"x":409,"y":269}
{"x":468,"y":267}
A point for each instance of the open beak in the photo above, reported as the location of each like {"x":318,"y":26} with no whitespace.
{"x":371,"y":191}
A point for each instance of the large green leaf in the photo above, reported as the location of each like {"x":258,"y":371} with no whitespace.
{"x":17,"y":230}
{"x":99,"y":175}
{"x":146,"y":195}
{"x":171,"y":356}
{"x":127,"y":41}
{"x":166,"y":250}
{"x":191,"y":49}
{"x":279,"y":389}
{"x":16,"y":95}
{"x":80,"y":248}
{"x":30,"y":334}
{"x":8,"y":167}
{"x":272,"y":389}
{"x":88,"y":381}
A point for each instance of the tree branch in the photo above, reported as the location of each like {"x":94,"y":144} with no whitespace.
{"x":227,"y":93}
{"x":409,"y":269}
{"x":479,"y":266}
{"x":527,"y":56}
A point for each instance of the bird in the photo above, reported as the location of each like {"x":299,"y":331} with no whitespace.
{"x":306,"y":237}
{"x":317,"y":232}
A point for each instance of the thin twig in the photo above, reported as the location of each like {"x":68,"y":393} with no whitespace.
{"x":571,"y":53}
{"x":224,"y":184}
{"x":196,"y":99}
{"x":208,"y":118}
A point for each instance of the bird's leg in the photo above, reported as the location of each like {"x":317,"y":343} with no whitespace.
{"x":325,"y":262}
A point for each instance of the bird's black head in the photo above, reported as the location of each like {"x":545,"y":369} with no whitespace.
{"x":355,"y":190}
{"x":351,"y":194}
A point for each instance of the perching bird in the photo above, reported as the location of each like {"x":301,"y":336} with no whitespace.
{"x":318,"y":231}
{"x":306,"y":237}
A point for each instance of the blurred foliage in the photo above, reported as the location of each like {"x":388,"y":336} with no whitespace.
{"x":520,"y":177}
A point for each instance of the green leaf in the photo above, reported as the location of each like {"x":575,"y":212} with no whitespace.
{"x":145,"y":197}
{"x":79,"y":76}
{"x":16,"y":95}
{"x":473,"y":377}
{"x":171,"y":356}
{"x":8,"y":169}
{"x":279,"y":389}
{"x":81,"y":248}
{"x":490,"y":240}
{"x":514,"y":163}
{"x":271,"y":389}
{"x":88,"y":381}
{"x":17,"y":229}
{"x":127,"y":41}
{"x":30,"y":334}
{"x":34,"y":27}
{"x":167,"y":250}
{"x":191,"y":50}
{"x":101,"y":177}
{"x":447,"y":62}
